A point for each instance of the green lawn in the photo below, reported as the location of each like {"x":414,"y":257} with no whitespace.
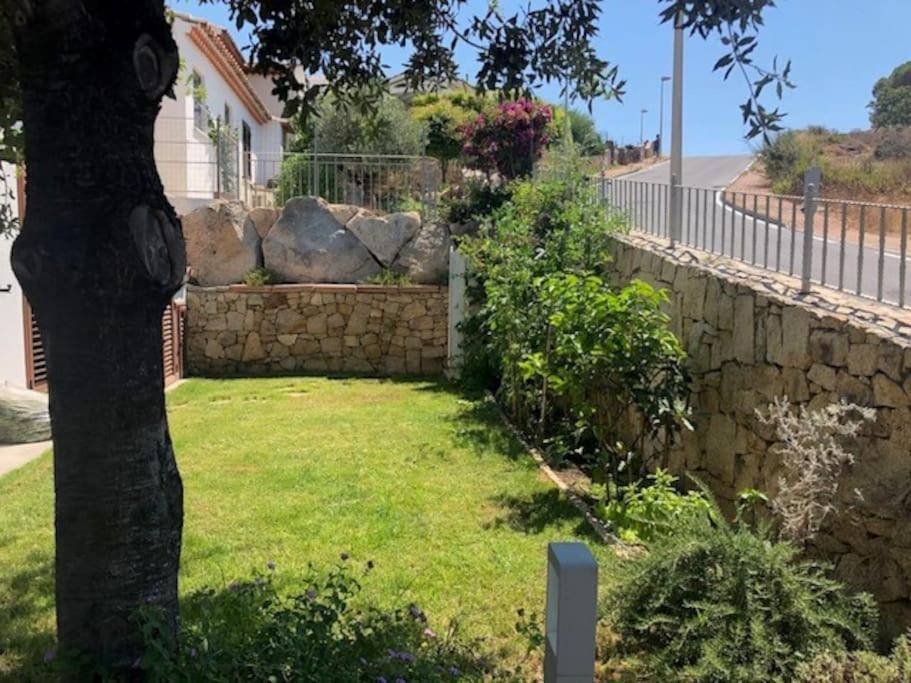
{"x":411,"y":475}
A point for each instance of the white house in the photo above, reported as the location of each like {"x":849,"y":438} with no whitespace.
{"x":13,"y":336}
{"x":223,"y":135}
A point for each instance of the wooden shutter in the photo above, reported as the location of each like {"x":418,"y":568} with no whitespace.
{"x":172,"y":327}
{"x":35,"y":363}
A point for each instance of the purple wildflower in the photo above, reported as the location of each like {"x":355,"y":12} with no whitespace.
{"x":50,"y":655}
{"x":429,"y":633}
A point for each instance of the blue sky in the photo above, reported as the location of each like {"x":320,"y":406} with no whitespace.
{"x":838,"y":49}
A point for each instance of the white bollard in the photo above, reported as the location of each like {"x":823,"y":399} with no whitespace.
{"x":571,"y":614}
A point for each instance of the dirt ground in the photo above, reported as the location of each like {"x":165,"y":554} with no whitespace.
{"x":834,"y":217}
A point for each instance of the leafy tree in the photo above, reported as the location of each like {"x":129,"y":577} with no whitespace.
{"x":585,"y":136}
{"x":446,"y":115}
{"x":891,"y":105}
{"x":101,"y":251}
{"x":338,"y":128}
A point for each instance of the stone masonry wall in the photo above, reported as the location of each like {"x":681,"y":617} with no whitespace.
{"x":751,"y":337}
{"x":368,"y":329}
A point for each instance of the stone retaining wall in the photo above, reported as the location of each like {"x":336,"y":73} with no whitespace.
{"x":752,"y":337}
{"x":368,"y":329}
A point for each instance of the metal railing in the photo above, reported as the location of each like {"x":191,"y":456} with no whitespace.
{"x":383,"y":183}
{"x":854,"y":247}
{"x":197,"y":166}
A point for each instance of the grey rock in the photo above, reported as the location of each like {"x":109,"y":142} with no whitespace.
{"x":222,"y":245}
{"x":385,"y":236}
{"x":23,"y":415}
{"x":308,"y":244}
{"x":425,"y":259}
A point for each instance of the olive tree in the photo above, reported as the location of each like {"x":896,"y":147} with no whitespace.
{"x":100,"y":251}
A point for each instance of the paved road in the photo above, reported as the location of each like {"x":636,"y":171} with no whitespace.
{"x":710,"y":225}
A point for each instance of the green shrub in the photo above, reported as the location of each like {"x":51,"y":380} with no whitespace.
{"x":641,"y":513}
{"x":259,"y":277}
{"x":570,"y":356}
{"x":615,"y":372}
{"x":859,"y":667}
{"x":300,"y":177}
{"x":473,"y":201}
{"x":713,"y":602}
{"x":253,"y":632}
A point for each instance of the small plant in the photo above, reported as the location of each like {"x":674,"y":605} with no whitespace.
{"x":259,"y":277}
{"x":859,"y":667}
{"x":813,"y":457}
{"x":720,"y":602}
{"x":642,"y":513}
{"x":389,"y":277}
{"x":252,"y":632}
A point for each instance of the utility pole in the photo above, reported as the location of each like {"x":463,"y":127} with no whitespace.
{"x":676,"y":207}
{"x":661,"y":138}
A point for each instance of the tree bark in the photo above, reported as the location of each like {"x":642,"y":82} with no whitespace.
{"x":99,"y":256}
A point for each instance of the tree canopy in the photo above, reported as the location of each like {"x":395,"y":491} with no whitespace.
{"x":891,"y":105}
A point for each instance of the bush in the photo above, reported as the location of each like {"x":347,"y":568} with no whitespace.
{"x":614,"y":369}
{"x":259,"y":277}
{"x":811,"y":445}
{"x":859,"y":667}
{"x":473,"y":201}
{"x":573,"y":360}
{"x":893,"y":143}
{"x":252,"y":632}
{"x":643,"y":513}
{"x":509,"y":140}
{"x":713,"y":602}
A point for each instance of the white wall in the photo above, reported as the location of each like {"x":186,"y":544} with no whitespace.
{"x":196,"y":180}
{"x":12,"y":335}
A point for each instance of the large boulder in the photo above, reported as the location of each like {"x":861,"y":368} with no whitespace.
{"x":222,"y":245}
{"x":263,"y":218}
{"x":425,"y":259}
{"x":385,"y":236}
{"x":23,"y":415}
{"x":308,"y":244}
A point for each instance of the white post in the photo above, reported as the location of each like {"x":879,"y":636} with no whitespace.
{"x":456,"y":312}
{"x":676,"y":203}
{"x":571,"y":614}
{"x":661,"y":138}
{"x":811,"y":185}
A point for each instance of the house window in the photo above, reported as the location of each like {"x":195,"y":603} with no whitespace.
{"x":227,"y":114}
{"x":200,"y":113}
{"x":247,"y":138}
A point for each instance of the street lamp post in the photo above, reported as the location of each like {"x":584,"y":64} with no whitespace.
{"x":642,"y":127}
{"x":676,"y":207}
{"x":664,"y":79}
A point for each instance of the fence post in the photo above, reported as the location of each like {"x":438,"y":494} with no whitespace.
{"x":571,"y":614}
{"x":456,"y":311}
{"x":811,"y":185}
{"x":217,"y":157}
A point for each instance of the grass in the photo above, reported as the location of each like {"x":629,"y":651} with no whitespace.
{"x":411,"y":475}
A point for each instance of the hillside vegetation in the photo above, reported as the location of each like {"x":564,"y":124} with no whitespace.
{"x":872,"y":165}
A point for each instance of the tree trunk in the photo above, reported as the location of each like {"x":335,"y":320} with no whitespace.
{"x":99,"y":255}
